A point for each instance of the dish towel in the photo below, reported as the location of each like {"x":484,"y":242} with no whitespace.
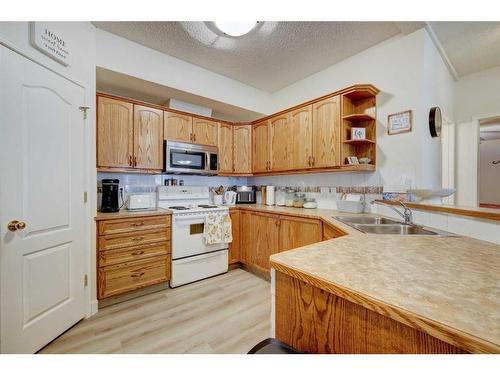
{"x":218,"y":228}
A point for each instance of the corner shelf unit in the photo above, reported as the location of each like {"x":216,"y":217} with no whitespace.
{"x":359,"y":107}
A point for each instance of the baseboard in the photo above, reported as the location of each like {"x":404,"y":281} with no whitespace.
{"x":92,"y":308}
{"x":133,"y":294}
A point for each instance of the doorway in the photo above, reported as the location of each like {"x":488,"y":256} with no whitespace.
{"x":489,"y":163}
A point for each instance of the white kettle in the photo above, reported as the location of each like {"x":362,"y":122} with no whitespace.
{"x":230,"y":198}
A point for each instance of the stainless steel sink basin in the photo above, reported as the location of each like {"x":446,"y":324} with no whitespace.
{"x":383,"y":225}
{"x":400,"y":229}
{"x":366,"y":220}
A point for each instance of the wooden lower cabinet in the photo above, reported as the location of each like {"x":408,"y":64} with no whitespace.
{"x":330,"y":232}
{"x":234,"y":247}
{"x":132,"y":253}
{"x":316,"y":321}
{"x":263,"y":234}
{"x":298,"y":231}
{"x":128,"y":276}
{"x":259,"y":238}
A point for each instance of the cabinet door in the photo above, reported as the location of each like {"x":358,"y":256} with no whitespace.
{"x":296,"y":232}
{"x":234,"y":247}
{"x":259,"y":238}
{"x":148,"y":138}
{"x":279,"y":137}
{"x":225,"y":148}
{"x":205,"y":132}
{"x":301,"y":138}
{"x":177,"y":127}
{"x":260,"y":147}
{"x":242,"y":148}
{"x":115,"y":129}
{"x":326,"y":133}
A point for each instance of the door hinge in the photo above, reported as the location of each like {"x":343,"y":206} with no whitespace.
{"x":84,"y":197}
{"x":84,"y":110}
{"x":86,"y":280}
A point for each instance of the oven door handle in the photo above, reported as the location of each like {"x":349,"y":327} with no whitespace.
{"x":196,"y":218}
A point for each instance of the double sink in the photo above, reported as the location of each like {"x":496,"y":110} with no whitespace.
{"x":383,"y":225}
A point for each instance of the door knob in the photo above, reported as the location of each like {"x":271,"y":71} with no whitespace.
{"x":16,"y":225}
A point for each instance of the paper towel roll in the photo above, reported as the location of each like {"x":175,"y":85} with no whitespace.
{"x":270,"y":195}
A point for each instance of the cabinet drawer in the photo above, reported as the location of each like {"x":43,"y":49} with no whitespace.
{"x":114,"y":280}
{"x":119,"y":226}
{"x":128,"y":254}
{"x":134,"y":239}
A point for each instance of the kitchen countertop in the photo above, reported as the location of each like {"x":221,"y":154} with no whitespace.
{"x":448,"y":287}
{"x":124,"y":214}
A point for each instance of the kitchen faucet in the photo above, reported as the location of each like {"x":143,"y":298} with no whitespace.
{"x":407,"y":213}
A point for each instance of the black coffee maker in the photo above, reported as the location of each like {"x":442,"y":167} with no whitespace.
{"x":110,"y":188}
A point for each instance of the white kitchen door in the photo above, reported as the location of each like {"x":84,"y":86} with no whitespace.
{"x":41,"y":196}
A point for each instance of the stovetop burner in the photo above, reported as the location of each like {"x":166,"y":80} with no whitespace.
{"x":179,"y":208}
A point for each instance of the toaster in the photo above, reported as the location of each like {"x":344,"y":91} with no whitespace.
{"x":140,"y":202}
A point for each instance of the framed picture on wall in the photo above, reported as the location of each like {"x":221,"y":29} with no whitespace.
{"x":399,"y":122}
{"x":358,"y":133}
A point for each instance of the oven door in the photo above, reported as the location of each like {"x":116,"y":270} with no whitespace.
{"x":187,"y":236}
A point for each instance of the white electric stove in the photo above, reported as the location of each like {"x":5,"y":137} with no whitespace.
{"x":192,"y":258}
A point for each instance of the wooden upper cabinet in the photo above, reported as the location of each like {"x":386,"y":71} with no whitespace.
{"x":115,"y":128}
{"x":177,"y":127}
{"x":279,"y":141}
{"x":297,"y":231}
{"x":225,"y":148}
{"x":242,"y":148}
{"x":326,"y":133}
{"x":205,"y":131}
{"x":148,"y":138}
{"x":260,"y":147}
{"x":301,"y":134}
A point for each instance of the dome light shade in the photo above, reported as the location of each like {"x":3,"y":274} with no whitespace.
{"x":235,"y":28}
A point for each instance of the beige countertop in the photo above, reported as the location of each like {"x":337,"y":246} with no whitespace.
{"x":124,"y":214}
{"x":448,"y":287}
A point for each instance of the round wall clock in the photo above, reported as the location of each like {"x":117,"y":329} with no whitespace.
{"x":435,"y":121}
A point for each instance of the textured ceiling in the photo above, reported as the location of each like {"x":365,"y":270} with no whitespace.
{"x":272,"y":56}
{"x":470,"y":46}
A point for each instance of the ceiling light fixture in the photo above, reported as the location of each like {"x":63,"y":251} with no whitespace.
{"x":236,"y":28}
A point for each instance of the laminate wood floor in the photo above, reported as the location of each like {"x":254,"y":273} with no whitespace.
{"x":229,"y":313}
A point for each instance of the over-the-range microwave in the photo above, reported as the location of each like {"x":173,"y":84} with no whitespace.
{"x":188,"y":158}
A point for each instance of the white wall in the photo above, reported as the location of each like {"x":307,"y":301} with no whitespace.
{"x":124,"y":56}
{"x":476,"y":96}
{"x":80,"y":37}
{"x":411,"y":75}
{"x":489,"y":173}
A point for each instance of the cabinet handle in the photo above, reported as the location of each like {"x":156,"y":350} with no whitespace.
{"x":135,"y":161}
{"x":138,"y":252}
{"x":313,"y":161}
{"x":194,"y":137}
{"x":130,"y":160}
{"x":137,"y":224}
{"x":137,"y":274}
{"x":137,"y":238}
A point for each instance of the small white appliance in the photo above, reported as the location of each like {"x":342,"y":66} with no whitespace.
{"x":230,"y":197}
{"x":192,"y":258}
{"x":140,"y":202}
